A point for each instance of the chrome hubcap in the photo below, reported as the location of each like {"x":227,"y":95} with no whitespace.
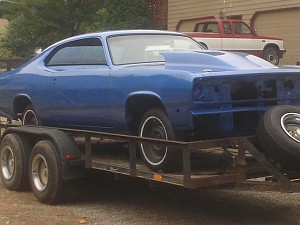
{"x":39,"y":172}
{"x":290,"y":123}
{"x":7,"y":163}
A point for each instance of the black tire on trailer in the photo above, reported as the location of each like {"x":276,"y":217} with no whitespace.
{"x":29,"y":116}
{"x":156,"y":124}
{"x":45,"y":173}
{"x":14,"y":153}
{"x":279,"y":134}
{"x":271,"y":54}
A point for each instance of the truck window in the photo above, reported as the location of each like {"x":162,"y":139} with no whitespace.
{"x":227,"y":28}
{"x":210,"y":27}
{"x":241,"y":28}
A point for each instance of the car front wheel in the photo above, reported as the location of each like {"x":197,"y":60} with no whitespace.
{"x":155,"y":124}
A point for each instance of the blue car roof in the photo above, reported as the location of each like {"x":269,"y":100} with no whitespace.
{"x":106,"y":34}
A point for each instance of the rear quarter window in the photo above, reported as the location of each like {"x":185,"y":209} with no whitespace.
{"x":83,"y":52}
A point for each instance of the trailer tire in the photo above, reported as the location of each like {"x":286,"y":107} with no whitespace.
{"x":29,"y":116}
{"x":45,"y":173}
{"x":279,"y":134}
{"x":156,"y":124}
{"x":14,"y":152}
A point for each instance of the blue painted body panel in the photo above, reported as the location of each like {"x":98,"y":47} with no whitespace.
{"x":190,"y":86}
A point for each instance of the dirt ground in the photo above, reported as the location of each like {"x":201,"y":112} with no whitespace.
{"x":99,"y":200}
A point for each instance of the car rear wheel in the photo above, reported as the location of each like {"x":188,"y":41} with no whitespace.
{"x":271,"y":55}
{"x":279,"y":134}
{"x":29,"y":116}
{"x":155,"y":124}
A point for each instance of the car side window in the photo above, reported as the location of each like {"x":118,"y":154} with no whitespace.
{"x":87,"y":51}
{"x":227,"y":28}
{"x":211,"y":27}
{"x":241,"y":28}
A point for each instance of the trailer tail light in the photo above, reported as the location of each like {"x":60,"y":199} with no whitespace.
{"x":69,"y":157}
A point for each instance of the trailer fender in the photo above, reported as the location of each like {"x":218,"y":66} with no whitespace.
{"x":69,"y":154}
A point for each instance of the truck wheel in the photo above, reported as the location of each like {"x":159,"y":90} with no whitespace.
{"x":29,"y":116}
{"x":45,"y":172}
{"x":279,"y":134}
{"x":271,"y":55}
{"x":14,"y":152}
{"x":155,"y":124}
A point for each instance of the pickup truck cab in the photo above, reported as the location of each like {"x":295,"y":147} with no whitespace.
{"x":235,"y":35}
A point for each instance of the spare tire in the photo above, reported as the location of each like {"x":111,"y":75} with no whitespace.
{"x":279,"y":134}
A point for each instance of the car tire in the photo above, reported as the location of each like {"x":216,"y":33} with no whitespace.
{"x":14,"y":152}
{"x":29,"y":116}
{"x":271,"y":55}
{"x":155,"y":124}
{"x":279,"y":134}
{"x":45,"y":173}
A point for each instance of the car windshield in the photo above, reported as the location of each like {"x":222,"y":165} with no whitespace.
{"x":127,"y":49}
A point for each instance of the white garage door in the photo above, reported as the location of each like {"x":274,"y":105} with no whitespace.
{"x":284,"y":24}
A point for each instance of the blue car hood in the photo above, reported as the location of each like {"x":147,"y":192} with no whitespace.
{"x":213,"y":61}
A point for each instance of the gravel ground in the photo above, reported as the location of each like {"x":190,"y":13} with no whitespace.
{"x":99,"y":200}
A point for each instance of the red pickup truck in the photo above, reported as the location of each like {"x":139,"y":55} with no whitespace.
{"x":235,"y":35}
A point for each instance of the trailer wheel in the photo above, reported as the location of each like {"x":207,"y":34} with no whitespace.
{"x":29,"y":116}
{"x":45,"y":172}
{"x":14,"y":153}
{"x":155,"y":124}
{"x":279,"y":134}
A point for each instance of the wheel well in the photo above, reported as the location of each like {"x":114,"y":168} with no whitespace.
{"x":271,"y":46}
{"x":20,"y":104}
{"x":137,"y":106}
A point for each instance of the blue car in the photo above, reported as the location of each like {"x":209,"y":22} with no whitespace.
{"x":156,"y":84}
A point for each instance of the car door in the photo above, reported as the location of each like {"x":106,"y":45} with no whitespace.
{"x":79,"y":96}
{"x":227,"y":36}
{"x":210,"y":35}
{"x":245,"y":38}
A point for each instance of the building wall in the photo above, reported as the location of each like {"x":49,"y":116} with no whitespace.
{"x":270,"y":17}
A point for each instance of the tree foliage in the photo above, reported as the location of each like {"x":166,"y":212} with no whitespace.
{"x":5,"y":53}
{"x":126,"y":14}
{"x":39,"y":23}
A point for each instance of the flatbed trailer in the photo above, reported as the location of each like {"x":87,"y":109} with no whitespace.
{"x":55,"y":155}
